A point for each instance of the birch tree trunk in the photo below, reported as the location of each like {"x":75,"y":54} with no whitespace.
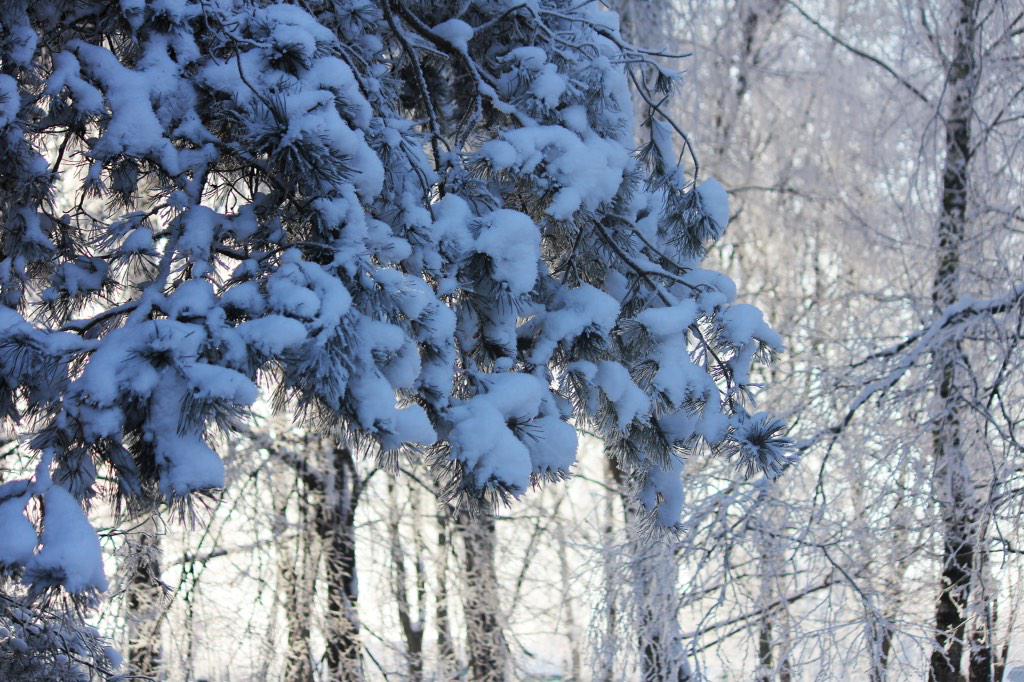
{"x":983,"y":661}
{"x":297,"y":567}
{"x":144,"y":599}
{"x":485,"y":637}
{"x":662,"y":656}
{"x":952,"y":474}
{"x":655,"y":574}
{"x":412,"y":624}
{"x":337,"y":532}
{"x":575,"y":665}
{"x":447,"y":662}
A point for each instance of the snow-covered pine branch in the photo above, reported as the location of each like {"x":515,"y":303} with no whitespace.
{"x":415,"y":223}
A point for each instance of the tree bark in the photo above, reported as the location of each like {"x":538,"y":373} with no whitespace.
{"x":297,"y":568}
{"x":982,"y":664}
{"x":412,"y":628}
{"x":447,"y":662}
{"x":951,"y":466}
{"x":662,"y":656}
{"x":880,"y":634}
{"x":488,"y":649}
{"x":144,"y":598}
{"x":575,"y":664}
{"x":337,"y":531}
{"x":610,"y":576}
{"x":987,"y":660}
{"x":654,"y":571}
{"x":764,"y":649}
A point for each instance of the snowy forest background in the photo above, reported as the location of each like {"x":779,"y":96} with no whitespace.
{"x":495,"y":219}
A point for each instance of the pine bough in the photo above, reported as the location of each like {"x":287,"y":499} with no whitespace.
{"x":428,"y":226}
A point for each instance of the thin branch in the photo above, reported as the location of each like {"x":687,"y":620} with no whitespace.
{"x":861,"y":53}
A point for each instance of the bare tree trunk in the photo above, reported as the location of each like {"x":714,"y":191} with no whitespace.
{"x":987,"y":660}
{"x":882,"y":630}
{"x":447,"y":662}
{"x":337,"y":532}
{"x":662,"y":656}
{"x":415,"y":634}
{"x":488,"y":649}
{"x":144,"y":597}
{"x":575,"y":666}
{"x":654,"y":570}
{"x":764,"y":649}
{"x":756,"y":18}
{"x":609,"y":646}
{"x":982,"y":664}
{"x":951,"y":467}
{"x":881,"y":635}
{"x":297,"y":568}
{"x":773,"y":630}
{"x":412,"y":629}
{"x":645,"y":23}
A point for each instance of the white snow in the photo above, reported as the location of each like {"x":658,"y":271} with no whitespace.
{"x":714,"y":201}
{"x":663,"y":491}
{"x":245,"y":296}
{"x":456,"y":32}
{"x":548,"y":86}
{"x":185,"y":461}
{"x":18,"y":539}
{"x":67,"y":73}
{"x":574,"y":311}
{"x":139,"y":240}
{"x":483,"y":441}
{"x":588,"y":170}
{"x":668,"y":320}
{"x":274,"y":334}
{"x":69,"y":548}
{"x":134,"y":128}
{"x":629,"y":399}
{"x":10,"y":100}
{"x":742,"y":323}
{"x":193,"y":298}
{"x":513,"y":242}
{"x":208,"y":382}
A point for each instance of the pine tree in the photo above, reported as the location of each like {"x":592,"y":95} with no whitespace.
{"x":424,"y":227}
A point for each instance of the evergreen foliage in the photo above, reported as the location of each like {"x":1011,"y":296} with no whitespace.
{"x":425,"y":225}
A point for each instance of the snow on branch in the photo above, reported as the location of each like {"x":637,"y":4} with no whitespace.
{"x":428,"y":227}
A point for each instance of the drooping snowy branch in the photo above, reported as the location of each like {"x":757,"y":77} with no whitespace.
{"x":420,"y":225}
